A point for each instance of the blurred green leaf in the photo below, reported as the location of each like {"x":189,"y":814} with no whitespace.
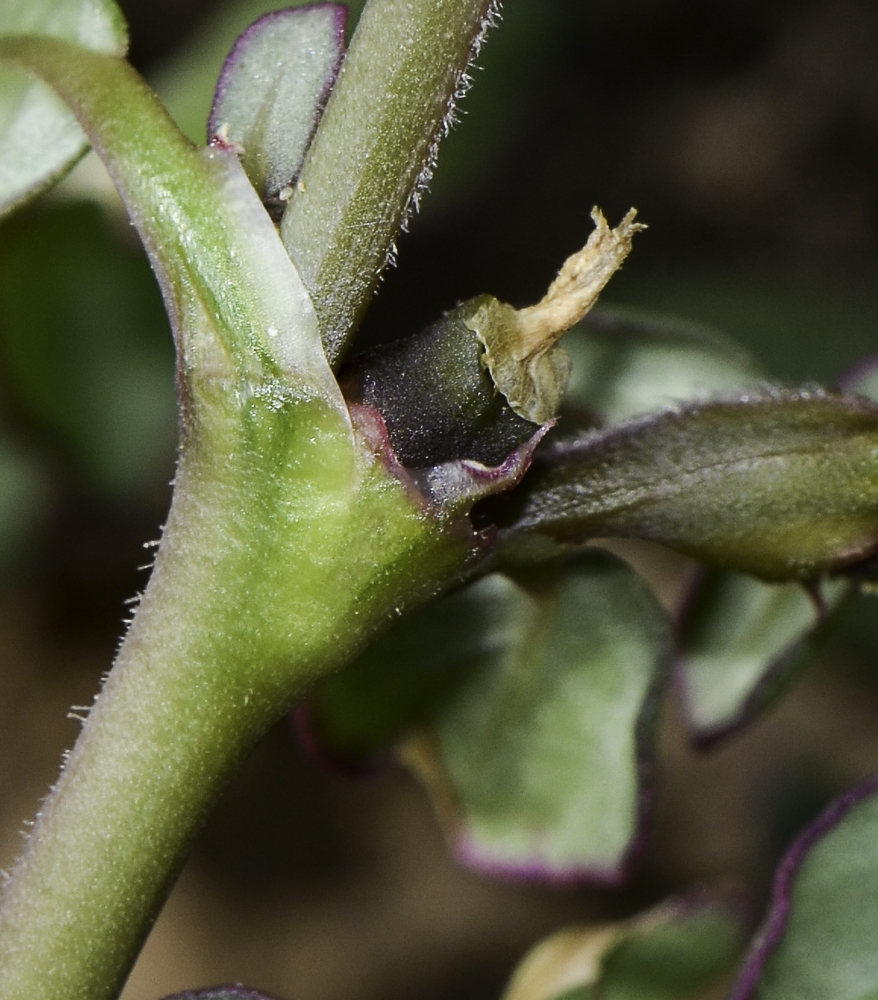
{"x":272,"y":89}
{"x":742,"y":641}
{"x":670,"y":953}
{"x":23,"y":499}
{"x":626,"y":363}
{"x":39,"y":136}
{"x":818,"y":939}
{"x":359,"y":713}
{"x":781,"y":485}
{"x":85,"y":345}
{"x":799,"y":322}
{"x":536,"y":703}
{"x":538,"y":763}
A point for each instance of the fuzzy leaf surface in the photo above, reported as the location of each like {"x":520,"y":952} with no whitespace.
{"x":539,"y":763}
{"x":781,"y":485}
{"x":38,"y":134}
{"x":272,"y":90}
{"x":818,"y":939}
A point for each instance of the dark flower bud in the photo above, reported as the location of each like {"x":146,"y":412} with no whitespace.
{"x":477,"y":383}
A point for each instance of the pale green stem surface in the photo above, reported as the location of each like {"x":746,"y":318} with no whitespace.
{"x":374,"y":147}
{"x":289,"y":544}
{"x":275,"y":567}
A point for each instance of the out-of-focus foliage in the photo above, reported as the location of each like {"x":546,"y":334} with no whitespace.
{"x":86,"y":353}
{"x":735,"y":133}
{"x":818,"y":938}
{"x":670,"y":953}
{"x":38,"y":134}
{"x":529,"y":708}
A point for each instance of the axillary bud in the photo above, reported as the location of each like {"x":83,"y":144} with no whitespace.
{"x":478,"y":382}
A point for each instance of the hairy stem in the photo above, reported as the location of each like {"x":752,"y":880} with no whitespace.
{"x":375,"y":145}
{"x":289,"y":544}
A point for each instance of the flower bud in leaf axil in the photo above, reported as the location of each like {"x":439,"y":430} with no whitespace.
{"x":478,"y":383}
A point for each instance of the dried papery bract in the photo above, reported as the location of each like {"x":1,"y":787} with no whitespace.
{"x":520,"y":344}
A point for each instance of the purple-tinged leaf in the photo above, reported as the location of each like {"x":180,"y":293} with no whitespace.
{"x":672,"y":952}
{"x":782,"y":485}
{"x":272,"y":90}
{"x":222,"y":993}
{"x":742,"y":642}
{"x":862,"y":379}
{"x":39,"y":137}
{"x":539,"y":765}
{"x":818,"y":940}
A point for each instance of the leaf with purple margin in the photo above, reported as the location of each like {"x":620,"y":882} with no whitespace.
{"x":222,"y":993}
{"x":539,"y":765}
{"x":782,"y":485}
{"x":39,"y":137}
{"x":862,"y":379}
{"x":186,"y":82}
{"x":818,"y":939}
{"x":626,"y":363}
{"x":672,"y":952}
{"x":742,"y":642}
{"x":272,"y":90}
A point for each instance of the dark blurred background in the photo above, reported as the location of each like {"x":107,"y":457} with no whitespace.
{"x":747,"y":137}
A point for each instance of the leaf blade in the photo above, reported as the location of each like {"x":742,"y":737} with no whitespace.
{"x":818,"y":938}
{"x":585,"y":658}
{"x":742,"y":642}
{"x":781,"y":485}
{"x":39,"y":136}
{"x":272,"y":89}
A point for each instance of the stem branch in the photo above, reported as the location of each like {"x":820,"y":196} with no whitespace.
{"x":373,"y":150}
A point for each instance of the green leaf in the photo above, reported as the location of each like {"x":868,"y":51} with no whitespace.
{"x":272,"y":90}
{"x":39,"y":136}
{"x":23,"y":489}
{"x":742,"y":642}
{"x":538,"y":763}
{"x":818,"y":938}
{"x":670,"y":953}
{"x":400,"y":681}
{"x":237,"y":305}
{"x":626,"y":363}
{"x":86,"y":349}
{"x":782,"y":485}
{"x":186,"y":82}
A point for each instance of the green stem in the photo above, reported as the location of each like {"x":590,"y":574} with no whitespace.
{"x":226,"y":279}
{"x":374,"y":147}
{"x":263,"y":582}
{"x":289,"y":544}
